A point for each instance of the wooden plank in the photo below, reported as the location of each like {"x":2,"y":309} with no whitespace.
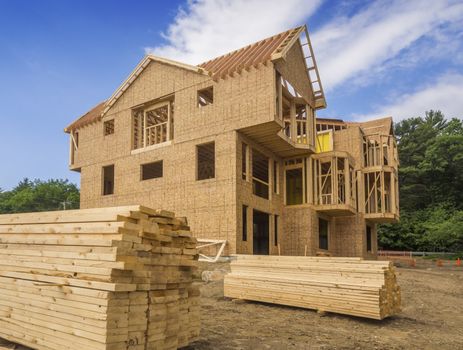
{"x":343,"y":285}
{"x":69,"y":216}
{"x":115,"y":287}
{"x":98,"y":240}
{"x":78,"y":228}
{"x":81,"y":279}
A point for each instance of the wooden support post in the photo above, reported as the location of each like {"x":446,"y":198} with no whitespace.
{"x":308,"y":125}
{"x":145,"y":134}
{"x":293,"y":121}
{"x":279,"y":91}
{"x":319,"y":182}
{"x":71,"y":150}
{"x":304,"y":181}
{"x":347,"y":176}
{"x":310,"y":181}
{"x":169,"y":122}
{"x":381,"y":150}
{"x":393,"y":194}
{"x":361,"y":191}
{"x":334,"y":181}
{"x":383,"y":199}
{"x":284,"y":185}
{"x":271,"y":178}
{"x":313,"y":127}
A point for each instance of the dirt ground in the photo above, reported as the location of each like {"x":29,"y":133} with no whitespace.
{"x":432,"y":318}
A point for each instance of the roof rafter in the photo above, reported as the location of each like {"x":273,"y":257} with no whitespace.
{"x":262,"y":52}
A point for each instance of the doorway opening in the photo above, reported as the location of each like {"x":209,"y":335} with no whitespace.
{"x":261,"y":235}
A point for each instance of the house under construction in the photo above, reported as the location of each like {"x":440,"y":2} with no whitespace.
{"x":234,"y":145}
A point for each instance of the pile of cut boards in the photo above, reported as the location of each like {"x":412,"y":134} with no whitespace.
{"x":98,"y":279}
{"x":349,"y":286}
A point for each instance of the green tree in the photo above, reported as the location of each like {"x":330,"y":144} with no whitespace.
{"x":431,"y":185}
{"x":37,"y":195}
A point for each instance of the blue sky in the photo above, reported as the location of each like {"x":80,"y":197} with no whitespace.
{"x":59,"y":58}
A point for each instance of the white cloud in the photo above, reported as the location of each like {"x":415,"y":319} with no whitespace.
{"x":352,"y":48}
{"x":357,"y":47}
{"x":444,"y":95}
{"x":208,"y":28}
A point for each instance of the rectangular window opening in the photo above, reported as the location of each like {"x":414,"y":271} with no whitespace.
{"x":205,"y":157}
{"x":275,"y":176}
{"x":244,"y":160}
{"x":245,"y":223}
{"x":260,"y":174}
{"x":205,"y":96}
{"x":108,"y":127}
{"x":294,"y":187}
{"x":260,"y":233}
{"x":108,"y":180}
{"x":323,"y":233}
{"x":151,"y":170}
{"x":368,"y":239}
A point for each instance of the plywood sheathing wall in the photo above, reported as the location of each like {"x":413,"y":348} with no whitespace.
{"x":241,"y":100}
{"x":210,"y":203}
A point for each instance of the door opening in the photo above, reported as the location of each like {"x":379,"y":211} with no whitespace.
{"x":260,"y":240}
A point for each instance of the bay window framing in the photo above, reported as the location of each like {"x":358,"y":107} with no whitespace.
{"x":334,"y":179}
{"x":297,"y":115}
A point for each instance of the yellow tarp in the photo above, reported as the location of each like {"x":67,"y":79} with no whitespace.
{"x":324,"y":141}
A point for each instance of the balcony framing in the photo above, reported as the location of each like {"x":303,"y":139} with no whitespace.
{"x":380,"y":194}
{"x":297,"y":115}
{"x":335,"y":183}
{"x":380,"y":150}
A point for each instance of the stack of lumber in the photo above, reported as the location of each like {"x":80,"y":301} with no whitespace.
{"x":349,"y":286}
{"x":98,"y":279}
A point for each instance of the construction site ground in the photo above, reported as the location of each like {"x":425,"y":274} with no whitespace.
{"x":432,"y":318}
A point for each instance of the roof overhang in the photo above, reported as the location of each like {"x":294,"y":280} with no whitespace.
{"x":273,"y":49}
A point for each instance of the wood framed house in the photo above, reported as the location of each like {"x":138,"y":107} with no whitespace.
{"x":234,"y":145}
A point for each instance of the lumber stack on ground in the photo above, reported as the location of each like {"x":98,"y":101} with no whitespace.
{"x":98,"y":279}
{"x":350,"y":286}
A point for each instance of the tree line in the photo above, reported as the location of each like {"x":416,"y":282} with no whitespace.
{"x":37,"y":195}
{"x":430,"y":186}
